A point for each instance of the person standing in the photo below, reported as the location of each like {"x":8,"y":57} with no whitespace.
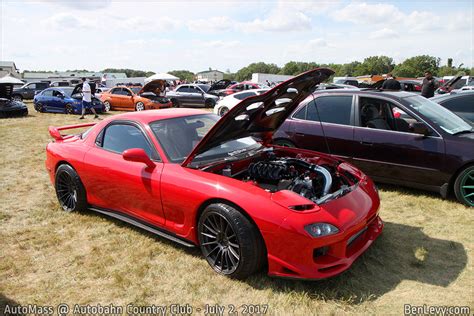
{"x":429,"y":85}
{"x":391,"y":83}
{"x":87,"y":99}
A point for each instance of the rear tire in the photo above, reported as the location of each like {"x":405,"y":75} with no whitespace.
{"x":39,"y":107}
{"x":70,"y":191}
{"x":223,"y":111}
{"x":284,"y":143}
{"x":464,"y":186}
{"x":230,"y":243}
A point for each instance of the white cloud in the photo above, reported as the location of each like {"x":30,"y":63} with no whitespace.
{"x":139,"y":23}
{"x":219,"y":44}
{"x":81,"y":4}
{"x":363,"y":13}
{"x":214,"y":24}
{"x":63,"y":21}
{"x":279,"y":21}
{"x":384,"y":33}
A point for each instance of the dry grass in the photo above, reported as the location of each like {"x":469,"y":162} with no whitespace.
{"x":424,"y":256}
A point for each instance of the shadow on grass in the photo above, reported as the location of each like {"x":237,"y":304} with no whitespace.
{"x":4,"y":301}
{"x":402,"y":252}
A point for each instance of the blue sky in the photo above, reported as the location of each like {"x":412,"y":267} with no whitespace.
{"x":225,"y":35}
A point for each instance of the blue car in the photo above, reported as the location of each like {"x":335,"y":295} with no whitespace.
{"x":63,"y":100}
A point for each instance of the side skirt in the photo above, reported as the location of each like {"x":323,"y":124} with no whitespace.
{"x":138,"y":223}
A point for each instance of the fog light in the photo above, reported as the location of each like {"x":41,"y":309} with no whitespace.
{"x":321,"y":229}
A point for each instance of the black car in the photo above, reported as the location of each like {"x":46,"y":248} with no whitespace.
{"x":461,"y":103}
{"x":9,"y":107}
{"x":29,"y":90}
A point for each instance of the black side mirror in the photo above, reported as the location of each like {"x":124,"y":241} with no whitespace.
{"x":419,"y":128}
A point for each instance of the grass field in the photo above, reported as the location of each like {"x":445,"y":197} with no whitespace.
{"x":424,"y":256}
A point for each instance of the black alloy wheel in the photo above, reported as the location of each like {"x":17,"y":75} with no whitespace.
{"x":69,"y":189}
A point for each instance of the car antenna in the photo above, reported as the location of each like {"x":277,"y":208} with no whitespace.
{"x":322,"y":128}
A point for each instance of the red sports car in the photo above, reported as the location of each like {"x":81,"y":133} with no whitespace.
{"x":218,"y":184}
{"x":238,"y":87}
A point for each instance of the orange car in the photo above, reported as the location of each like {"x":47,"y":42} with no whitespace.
{"x":124,"y":98}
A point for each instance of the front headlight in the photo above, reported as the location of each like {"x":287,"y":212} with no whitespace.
{"x":321,"y":229}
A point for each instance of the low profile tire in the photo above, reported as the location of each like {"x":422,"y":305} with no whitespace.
{"x":70,"y":190}
{"x":209,"y":103}
{"x":107,"y":106}
{"x":223,"y":111}
{"x":175,"y":103}
{"x":284,"y":143}
{"x":69,"y":109}
{"x":464,"y":186}
{"x":230,"y":243}
{"x":17,"y":97}
{"x":39,"y":107}
{"x":139,"y":106}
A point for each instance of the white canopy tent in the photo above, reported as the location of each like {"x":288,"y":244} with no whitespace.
{"x":10,"y":79}
{"x":162,"y":76}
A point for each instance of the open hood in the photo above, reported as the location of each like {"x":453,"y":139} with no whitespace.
{"x":78,"y":88}
{"x":152,"y":86}
{"x":261,"y":115}
{"x":219,"y":85}
{"x":6,"y":90}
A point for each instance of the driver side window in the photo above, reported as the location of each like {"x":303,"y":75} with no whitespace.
{"x":384,"y":115}
{"x":120,"y":137}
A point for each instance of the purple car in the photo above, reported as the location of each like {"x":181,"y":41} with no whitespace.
{"x":395,"y":137}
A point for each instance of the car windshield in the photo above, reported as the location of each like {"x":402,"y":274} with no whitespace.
{"x":204,"y":87}
{"x":444,"y":118}
{"x":136,"y":89}
{"x":178,"y":137}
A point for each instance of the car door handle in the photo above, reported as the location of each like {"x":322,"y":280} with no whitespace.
{"x":300,"y":134}
{"x":366,"y":143}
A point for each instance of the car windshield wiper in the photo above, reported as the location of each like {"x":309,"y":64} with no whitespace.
{"x":464,"y":131}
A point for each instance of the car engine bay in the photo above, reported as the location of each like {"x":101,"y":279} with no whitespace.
{"x":318,"y":183}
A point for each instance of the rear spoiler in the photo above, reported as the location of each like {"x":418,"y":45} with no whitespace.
{"x":54,"y":131}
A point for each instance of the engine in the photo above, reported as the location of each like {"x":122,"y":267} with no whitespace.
{"x":312,"y":181}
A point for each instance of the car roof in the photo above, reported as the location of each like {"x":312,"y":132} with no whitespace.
{"x":374,"y":92}
{"x":155,"y":115}
{"x":452,"y":95}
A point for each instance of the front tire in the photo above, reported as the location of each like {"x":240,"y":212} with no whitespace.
{"x":107,"y":106}
{"x":209,"y":103}
{"x":69,"y":109}
{"x":70,"y":191}
{"x":39,"y":107}
{"x":139,"y":106}
{"x":175,"y":103}
{"x":17,"y":97}
{"x":230,"y":243}
{"x":464,"y":186}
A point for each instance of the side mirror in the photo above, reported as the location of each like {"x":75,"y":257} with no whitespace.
{"x":138,"y":155}
{"x":419,"y":128}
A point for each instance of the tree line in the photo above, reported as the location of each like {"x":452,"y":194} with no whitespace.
{"x":374,"y":65}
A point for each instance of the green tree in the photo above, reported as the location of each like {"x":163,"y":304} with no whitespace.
{"x":417,"y":66}
{"x":294,"y":68}
{"x":374,"y":65}
{"x":130,"y":72}
{"x":183,"y":74}
{"x":245,"y":73}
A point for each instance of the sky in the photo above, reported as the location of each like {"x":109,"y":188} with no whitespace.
{"x":161,"y":36}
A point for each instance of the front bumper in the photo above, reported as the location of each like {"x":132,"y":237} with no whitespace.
{"x":293,"y":253}
{"x":157,"y":105}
